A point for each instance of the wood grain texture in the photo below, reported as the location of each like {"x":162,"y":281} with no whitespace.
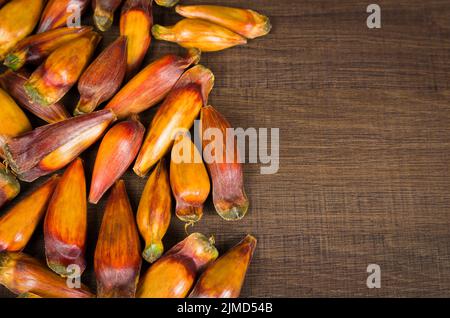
{"x":364,"y":156}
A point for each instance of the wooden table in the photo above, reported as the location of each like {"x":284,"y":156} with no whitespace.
{"x":364,"y":118}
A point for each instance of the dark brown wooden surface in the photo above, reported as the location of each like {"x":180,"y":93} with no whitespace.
{"x":365,"y":148}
